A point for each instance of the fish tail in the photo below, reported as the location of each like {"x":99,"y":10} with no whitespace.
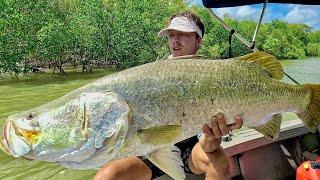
{"x":311,"y":115}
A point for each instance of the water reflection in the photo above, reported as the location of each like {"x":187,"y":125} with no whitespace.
{"x":303,"y":71}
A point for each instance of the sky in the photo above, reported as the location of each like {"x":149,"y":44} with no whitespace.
{"x":292,"y":13}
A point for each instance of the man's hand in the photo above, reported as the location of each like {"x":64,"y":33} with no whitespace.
{"x":217,"y":128}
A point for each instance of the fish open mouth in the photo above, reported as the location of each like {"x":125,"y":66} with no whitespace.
{"x":29,"y":136}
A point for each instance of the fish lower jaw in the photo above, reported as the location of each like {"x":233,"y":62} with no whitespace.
{"x":4,"y":148}
{"x":4,"y":145}
{"x":14,"y":144}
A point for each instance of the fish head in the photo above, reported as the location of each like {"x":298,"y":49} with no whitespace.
{"x":75,"y":124}
{"x":47,"y":126}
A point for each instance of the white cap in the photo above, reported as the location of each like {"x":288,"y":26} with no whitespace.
{"x":182,"y":24}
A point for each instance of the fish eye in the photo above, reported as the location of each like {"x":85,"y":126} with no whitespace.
{"x":30,"y":116}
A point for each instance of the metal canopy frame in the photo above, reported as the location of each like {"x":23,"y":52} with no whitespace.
{"x":236,"y":34}
{"x":232,"y":3}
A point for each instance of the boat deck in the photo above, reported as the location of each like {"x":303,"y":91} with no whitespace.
{"x":252,"y":156}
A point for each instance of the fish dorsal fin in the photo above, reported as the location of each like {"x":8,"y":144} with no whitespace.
{"x":269,"y":62}
{"x":271,"y":130}
{"x":159,"y":134}
{"x":169,"y":161}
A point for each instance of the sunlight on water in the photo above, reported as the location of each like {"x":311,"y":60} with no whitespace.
{"x":304,"y":71}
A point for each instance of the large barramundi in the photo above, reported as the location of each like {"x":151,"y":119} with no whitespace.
{"x":146,"y":109}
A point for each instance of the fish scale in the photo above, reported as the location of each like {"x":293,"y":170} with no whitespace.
{"x":209,"y":83}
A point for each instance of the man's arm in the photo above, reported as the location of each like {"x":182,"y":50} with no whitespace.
{"x":208,"y":156}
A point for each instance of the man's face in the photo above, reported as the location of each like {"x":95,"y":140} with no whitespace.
{"x":183,"y":43}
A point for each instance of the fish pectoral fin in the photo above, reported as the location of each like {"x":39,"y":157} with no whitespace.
{"x":169,"y":161}
{"x":269,"y":62}
{"x":84,"y":126}
{"x":159,"y":134}
{"x":271,"y":130}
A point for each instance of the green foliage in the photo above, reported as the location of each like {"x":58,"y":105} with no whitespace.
{"x":125,"y":32}
{"x":273,"y":46}
{"x":313,"y":49}
{"x":285,"y":41}
{"x":295,"y":52}
{"x":133,"y":36}
{"x":314,"y":37}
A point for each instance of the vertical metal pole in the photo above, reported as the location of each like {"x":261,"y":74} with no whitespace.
{"x":258,"y":25}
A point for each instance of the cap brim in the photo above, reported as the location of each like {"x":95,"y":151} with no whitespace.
{"x":164,"y":32}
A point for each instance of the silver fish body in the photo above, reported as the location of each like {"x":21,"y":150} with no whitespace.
{"x":152,"y":106}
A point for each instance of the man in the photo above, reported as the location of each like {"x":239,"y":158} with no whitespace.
{"x":199,"y":155}
{"x":185,"y":33}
